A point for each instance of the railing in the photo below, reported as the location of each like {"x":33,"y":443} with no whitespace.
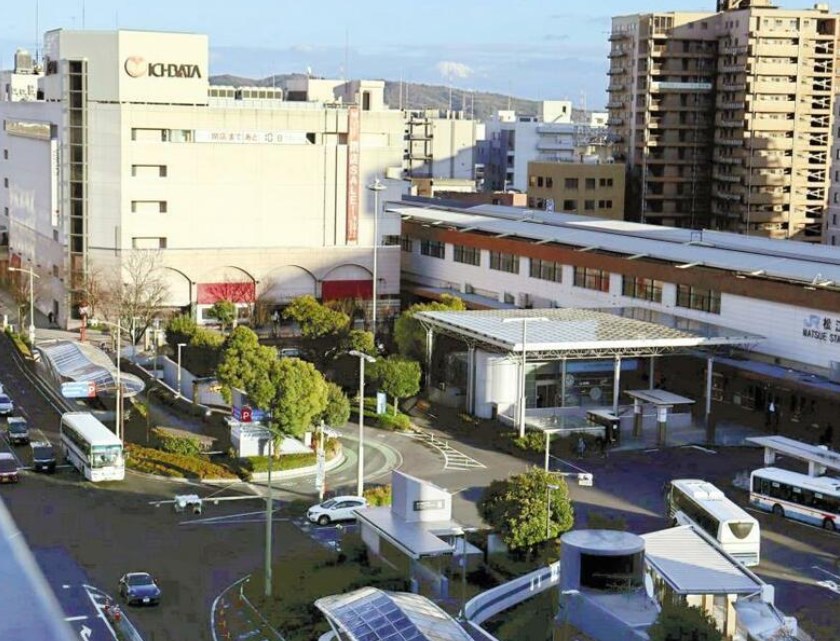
{"x":490,"y":603}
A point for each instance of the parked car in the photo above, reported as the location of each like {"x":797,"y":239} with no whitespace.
{"x":340,"y":508}
{"x":139,"y":588}
{"x":43,"y":456}
{"x":6,"y":405}
{"x":289,"y":352}
{"x":8,"y":468}
{"x":17,"y":430}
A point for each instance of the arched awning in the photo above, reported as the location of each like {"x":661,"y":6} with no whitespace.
{"x":72,"y":361}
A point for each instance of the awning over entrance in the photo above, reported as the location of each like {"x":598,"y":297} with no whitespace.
{"x":659,"y":397}
{"x":585,"y":333}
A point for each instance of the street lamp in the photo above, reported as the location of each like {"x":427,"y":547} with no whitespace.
{"x":548,"y":490}
{"x":462,"y":532}
{"x":118,"y":427}
{"x":32,"y":275}
{"x":376,"y":186}
{"x":520,"y":407}
{"x":180,"y":345}
{"x":360,"y":472}
{"x":269,"y":518}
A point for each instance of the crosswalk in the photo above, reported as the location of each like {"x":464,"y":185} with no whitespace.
{"x":452,"y":459}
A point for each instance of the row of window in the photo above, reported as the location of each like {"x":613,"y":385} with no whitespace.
{"x":570,"y":204}
{"x":805,"y":497}
{"x":648,"y":289}
{"x":569,"y":183}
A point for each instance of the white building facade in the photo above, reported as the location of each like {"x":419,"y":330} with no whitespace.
{"x":241,"y":197}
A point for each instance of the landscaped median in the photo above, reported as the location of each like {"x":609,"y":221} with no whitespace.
{"x":153,"y":461}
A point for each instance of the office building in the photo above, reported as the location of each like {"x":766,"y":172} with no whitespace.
{"x":243,"y":193}
{"x":590,"y":189}
{"x":724,"y":118}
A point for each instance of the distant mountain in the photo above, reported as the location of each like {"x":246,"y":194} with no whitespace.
{"x":415,"y":96}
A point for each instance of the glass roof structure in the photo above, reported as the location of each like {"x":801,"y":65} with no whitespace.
{"x":584,"y":333}
{"x":72,"y":361}
{"x":371,"y":614}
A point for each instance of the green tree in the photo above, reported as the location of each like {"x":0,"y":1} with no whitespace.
{"x":180,"y":329}
{"x":337,"y":411}
{"x":359,"y":340}
{"x":680,"y":622}
{"x":294,"y":393}
{"x":314,"y":319}
{"x":517,"y":508}
{"x":224,"y":311}
{"x":410,"y":335}
{"x":245,"y":364}
{"x":396,"y":376}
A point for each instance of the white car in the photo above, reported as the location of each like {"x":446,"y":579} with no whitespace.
{"x":340,"y":508}
{"x":6,"y":405}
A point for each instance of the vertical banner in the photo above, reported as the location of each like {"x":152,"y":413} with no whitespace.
{"x":55,"y":168}
{"x":353,"y":127}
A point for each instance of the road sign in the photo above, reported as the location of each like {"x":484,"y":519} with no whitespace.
{"x":78,"y":389}
{"x":320,"y":469}
{"x":381,"y":403}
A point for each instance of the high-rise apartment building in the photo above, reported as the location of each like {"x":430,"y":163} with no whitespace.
{"x":724,"y":118}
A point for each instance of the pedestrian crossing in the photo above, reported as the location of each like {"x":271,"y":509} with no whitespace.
{"x":452,"y":459}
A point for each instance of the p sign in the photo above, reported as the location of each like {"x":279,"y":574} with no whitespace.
{"x":246,"y":414}
{"x":78,"y":389}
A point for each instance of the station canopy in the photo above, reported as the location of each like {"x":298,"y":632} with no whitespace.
{"x":371,"y":614}
{"x":72,"y":361}
{"x":585,"y":333}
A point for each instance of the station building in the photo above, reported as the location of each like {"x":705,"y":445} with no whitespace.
{"x":786,"y":294}
{"x":242,"y":193}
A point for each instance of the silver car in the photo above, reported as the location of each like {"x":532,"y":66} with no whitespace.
{"x":6,"y":405}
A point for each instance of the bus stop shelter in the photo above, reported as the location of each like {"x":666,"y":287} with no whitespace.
{"x":563,"y":335}
{"x":820,"y":459}
{"x":663,"y":401}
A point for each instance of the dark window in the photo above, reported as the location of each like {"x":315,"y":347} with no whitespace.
{"x":546,"y":270}
{"x":571,"y":183}
{"x":504,"y":262}
{"x":591,"y":278}
{"x":605,"y":204}
{"x":390,"y":240}
{"x":590,"y":183}
{"x":467,"y":255}
{"x":407,"y":244}
{"x":549,"y":182}
{"x":569,"y":205}
{"x":703,"y":300}
{"x":588,"y":205}
{"x":644,"y":288}
{"x":614,"y":573}
{"x":433,"y":248}
{"x":539,"y":181}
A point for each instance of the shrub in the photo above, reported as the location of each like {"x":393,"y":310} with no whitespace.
{"x":378,"y":496}
{"x":146,"y":459}
{"x":531,"y":442}
{"x":398,"y":423}
{"x":257,"y":464}
{"x":207,"y":338}
{"x":183,"y":445}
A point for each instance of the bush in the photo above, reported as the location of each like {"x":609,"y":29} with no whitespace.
{"x":378,"y":496}
{"x":386,"y":421}
{"x":183,"y":445}
{"x":531,"y":442}
{"x":152,"y":461}
{"x":257,"y":464}
{"x":207,"y":338}
{"x":398,"y":423}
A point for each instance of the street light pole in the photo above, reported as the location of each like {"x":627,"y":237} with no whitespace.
{"x":269,"y":519}
{"x":118,"y":427}
{"x":548,"y":490}
{"x":360,"y":471}
{"x":180,"y":345}
{"x":376,"y":186}
{"x":32,"y":275}
{"x":520,"y":406}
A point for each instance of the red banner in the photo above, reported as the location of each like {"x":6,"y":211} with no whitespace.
{"x":353,"y":150}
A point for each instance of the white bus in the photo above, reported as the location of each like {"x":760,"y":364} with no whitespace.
{"x":699,"y":503}
{"x":90,"y":447}
{"x":810,"y":499}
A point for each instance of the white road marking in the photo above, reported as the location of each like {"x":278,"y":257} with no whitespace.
{"x":81,"y":617}
{"x":819,"y":569}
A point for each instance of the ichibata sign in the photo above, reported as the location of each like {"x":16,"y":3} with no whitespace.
{"x":137,"y":67}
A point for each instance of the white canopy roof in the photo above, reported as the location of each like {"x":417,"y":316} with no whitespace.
{"x":799,"y":450}
{"x":692,"y":565}
{"x":585,"y":333}
{"x":415,"y":538}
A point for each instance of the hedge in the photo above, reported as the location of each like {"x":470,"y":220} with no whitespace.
{"x":387,"y":421}
{"x":258,"y":464}
{"x":152,"y":461}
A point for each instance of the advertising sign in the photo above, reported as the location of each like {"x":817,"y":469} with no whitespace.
{"x":78,"y":389}
{"x":354,"y":124}
{"x":381,"y":402}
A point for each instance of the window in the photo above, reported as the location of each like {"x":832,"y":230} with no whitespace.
{"x":5,"y":154}
{"x":546,"y":270}
{"x":643,"y":288}
{"x":6,"y":183}
{"x":588,"y":205}
{"x":549,"y":182}
{"x":591,"y":278}
{"x":148,"y":171}
{"x":390,"y":241}
{"x":539,"y":181}
{"x":467,"y":255}
{"x":703,"y":300}
{"x":590,"y":183}
{"x":407,"y":244}
{"x":55,"y":271}
{"x":148,"y":243}
{"x":504,"y":262}
{"x":571,"y":183}
{"x":605,"y":204}
{"x":532,"y":181}
{"x":433,"y":248}
{"x":606,"y":182}
{"x":569,"y":205}
{"x":148,"y":206}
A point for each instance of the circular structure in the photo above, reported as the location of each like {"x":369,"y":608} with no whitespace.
{"x":606,"y":560}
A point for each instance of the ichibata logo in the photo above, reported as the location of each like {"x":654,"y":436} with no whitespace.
{"x":135,"y":66}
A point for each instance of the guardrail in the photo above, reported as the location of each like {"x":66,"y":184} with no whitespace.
{"x":489,"y":603}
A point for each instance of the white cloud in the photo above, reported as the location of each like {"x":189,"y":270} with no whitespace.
{"x":449,"y":69}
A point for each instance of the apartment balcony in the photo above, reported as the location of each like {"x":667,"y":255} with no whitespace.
{"x":737,"y":124}
{"x":766,"y":50}
{"x":730,"y":178}
{"x":616,"y":86}
{"x":615,"y":121}
{"x":733,"y":86}
{"x":615,"y":104}
{"x":728,"y":160}
{"x":619,"y":35}
{"x":617,"y":70}
{"x":769,"y":180}
{"x":768,"y":199}
{"x":771,"y":124}
{"x":732,"y":105}
{"x":729,"y":142}
{"x":555,"y":145}
{"x":774,"y":87}
{"x":617,"y":53}
{"x":725,"y":195}
{"x":762,"y":68}
{"x":773,"y":106}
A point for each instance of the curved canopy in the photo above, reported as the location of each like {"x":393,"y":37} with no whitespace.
{"x":72,"y":361}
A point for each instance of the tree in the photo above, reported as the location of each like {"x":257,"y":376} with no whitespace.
{"x":294,"y":393}
{"x":224,"y":311}
{"x":337,"y":411}
{"x":314,"y":319}
{"x":680,"y":622}
{"x":410,"y":335}
{"x":245,"y":364}
{"x":518,"y":508}
{"x":180,"y":329}
{"x":136,"y":292}
{"x":397,"y":376}
{"x":359,"y":340}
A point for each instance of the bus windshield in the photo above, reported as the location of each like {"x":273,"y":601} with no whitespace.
{"x":740,"y":529}
{"x":105,"y":455}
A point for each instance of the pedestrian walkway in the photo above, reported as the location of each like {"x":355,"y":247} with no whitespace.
{"x":452,"y":459}
{"x":234,"y":617}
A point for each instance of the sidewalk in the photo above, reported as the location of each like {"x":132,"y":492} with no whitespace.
{"x":234,"y":617}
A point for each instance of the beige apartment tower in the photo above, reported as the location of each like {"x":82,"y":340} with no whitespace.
{"x":724,"y":118}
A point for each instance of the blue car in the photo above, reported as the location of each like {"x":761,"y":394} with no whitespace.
{"x":139,"y":588}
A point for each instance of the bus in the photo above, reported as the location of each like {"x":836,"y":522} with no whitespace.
{"x":699,"y":503}
{"x":90,"y":447}
{"x":810,"y":499}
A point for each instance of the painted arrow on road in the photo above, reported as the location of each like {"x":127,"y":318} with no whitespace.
{"x":85,"y":633}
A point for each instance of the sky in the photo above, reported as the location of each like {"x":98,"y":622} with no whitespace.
{"x":535,"y":49}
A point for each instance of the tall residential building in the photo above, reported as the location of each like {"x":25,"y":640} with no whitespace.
{"x":724,"y":118}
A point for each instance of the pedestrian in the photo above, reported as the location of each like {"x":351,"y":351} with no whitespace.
{"x":581,"y":447}
{"x":50,"y":318}
{"x":602,"y":445}
{"x":771,"y":410}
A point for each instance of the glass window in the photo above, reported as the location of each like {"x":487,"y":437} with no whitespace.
{"x":591,"y":278}
{"x":433,"y":248}
{"x":407,"y":244}
{"x":504,"y":262}
{"x":643,"y":288}
{"x":590,"y":183}
{"x":703,"y":300}
{"x":549,"y":182}
{"x":569,"y":205}
{"x":467,"y":255}
{"x":571,"y":183}
{"x":546,"y":270}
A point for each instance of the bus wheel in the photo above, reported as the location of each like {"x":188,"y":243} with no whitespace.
{"x":829,"y":525}
{"x":778,"y":510}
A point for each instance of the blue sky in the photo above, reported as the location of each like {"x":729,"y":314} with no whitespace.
{"x":538,"y":49}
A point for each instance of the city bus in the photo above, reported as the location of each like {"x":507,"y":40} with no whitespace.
{"x":90,"y":447}
{"x":810,"y":499}
{"x":699,"y":503}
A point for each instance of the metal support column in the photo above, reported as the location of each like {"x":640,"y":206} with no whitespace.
{"x":563,"y":382}
{"x":429,"y":344}
{"x":710,"y":426}
{"x":616,"y":385}
{"x":651,"y":371}
{"x":470,"y":379}
{"x":637,"y":417}
{"x":662,"y":425}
